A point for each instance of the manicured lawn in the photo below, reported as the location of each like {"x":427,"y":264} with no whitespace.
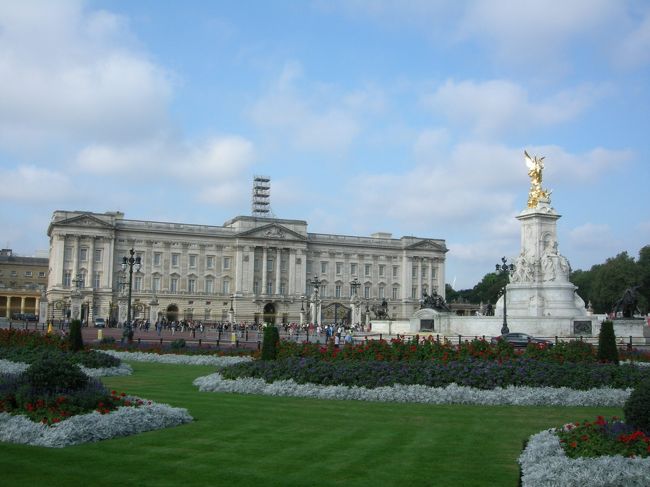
{"x":276,"y":441}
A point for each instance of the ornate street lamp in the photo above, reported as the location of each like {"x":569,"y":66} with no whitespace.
{"x":130,"y":263}
{"x":504,"y":267}
{"x":302,"y":303}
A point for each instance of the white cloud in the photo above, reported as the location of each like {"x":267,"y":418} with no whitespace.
{"x":314,"y":116}
{"x":634,"y":49}
{"x":500,"y":106}
{"x":535,"y":32}
{"x":68,"y":72}
{"x":33,"y":185}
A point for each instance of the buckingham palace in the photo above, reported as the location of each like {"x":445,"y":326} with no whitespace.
{"x":251,"y":269}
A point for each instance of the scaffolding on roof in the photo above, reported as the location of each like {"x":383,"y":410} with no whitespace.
{"x":261,"y":196}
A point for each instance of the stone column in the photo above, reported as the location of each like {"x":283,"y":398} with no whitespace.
{"x":407,"y":280}
{"x":239,"y":270}
{"x":430,"y":275}
{"x":278,"y":270}
{"x":22,"y":304}
{"x":75,"y":257}
{"x":419,"y":278}
{"x":264,"y":277}
{"x":91,"y":264}
{"x":250,"y":277}
{"x":292,"y":272}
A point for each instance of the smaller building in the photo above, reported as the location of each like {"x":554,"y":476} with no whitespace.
{"x":22,"y":281}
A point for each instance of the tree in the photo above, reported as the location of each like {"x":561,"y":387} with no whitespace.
{"x":610,"y":280}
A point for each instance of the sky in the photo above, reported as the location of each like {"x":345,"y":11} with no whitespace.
{"x":406,"y":116}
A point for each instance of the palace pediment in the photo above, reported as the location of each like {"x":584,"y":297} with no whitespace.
{"x":84,"y":220}
{"x":428,"y":245}
{"x":272,"y":231}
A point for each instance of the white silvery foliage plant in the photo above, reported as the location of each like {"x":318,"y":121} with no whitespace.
{"x":451,"y":394}
{"x":91,"y":427}
{"x":177,"y":359}
{"x":8,"y":367}
{"x":544,"y":464}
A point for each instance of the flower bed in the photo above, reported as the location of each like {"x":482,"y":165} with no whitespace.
{"x":9,"y":367}
{"x":451,"y":394}
{"x":218,"y":361}
{"x":416,"y":349}
{"x":91,"y":427}
{"x":545,"y":464}
{"x":470,"y":372}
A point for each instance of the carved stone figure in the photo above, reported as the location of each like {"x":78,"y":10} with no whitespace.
{"x":524,"y":270}
{"x":535,"y":167}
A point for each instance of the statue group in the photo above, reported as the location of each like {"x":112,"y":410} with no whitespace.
{"x":433,"y":301}
{"x":628,"y":304}
{"x":535,"y":167}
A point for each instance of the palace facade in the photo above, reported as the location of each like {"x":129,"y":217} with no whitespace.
{"x":250,"y":269}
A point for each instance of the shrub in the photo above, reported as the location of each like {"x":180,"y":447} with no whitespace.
{"x":75,"y":341}
{"x":96,"y":360}
{"x":607,"y":350}
{"x":55,"y":372}
{"x":178,"y":344}
{"x":270,"y":343}
{"x":637,"y":407}
{"x":107,"y":341}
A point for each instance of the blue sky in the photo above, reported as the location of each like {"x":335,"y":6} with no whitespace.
{"x":409,"y":117}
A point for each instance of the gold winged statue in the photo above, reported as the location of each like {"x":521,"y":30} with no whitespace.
{"x":535,"y":166}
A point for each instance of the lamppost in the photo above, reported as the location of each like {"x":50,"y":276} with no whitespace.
{"x":130,"y":263}
{"x":504,"y":267}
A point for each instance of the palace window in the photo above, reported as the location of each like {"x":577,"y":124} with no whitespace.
{"x":156,"y":284}
{"x":337,"y":291}
{"x":192,"y":261}
{"x":191,"y":285}
{"x":176,"y":258}
{"x":97,"y":280}
{"x":323,"y":267}
{"x":256,"y":287}
{"x":283,"y":289}
{"x":424,"y":271}
{"x":366,"y":292}
{"x":98,"y":255}
{"x":209,"y":261}
{"x":67,"y":278}
{"x":173,"y":284}
{"x":226,"y":263}
{"x":382,"y":270}
{"x":414,"y":292}
{"x":368,"y":269}
{"x":309,"y":264}
{"x":381,"y":292}
{"x":28,"y":273}
{"x":209,"y":286}
{"x":67,"y":254}
{"x":225,"y":286}
{"x":395,"y":271}
{"x":353,"y":269}
{"x":269,"y":287}
{"x":137,"y":283}
{"x":339,"y":268}
{"x":269,"y":265}
{"x":157,"y":258}
{"x":395,"y":292}
{"x":83,"y":254}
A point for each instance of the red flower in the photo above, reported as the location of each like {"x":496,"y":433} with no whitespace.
{"x":573,"y":444}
